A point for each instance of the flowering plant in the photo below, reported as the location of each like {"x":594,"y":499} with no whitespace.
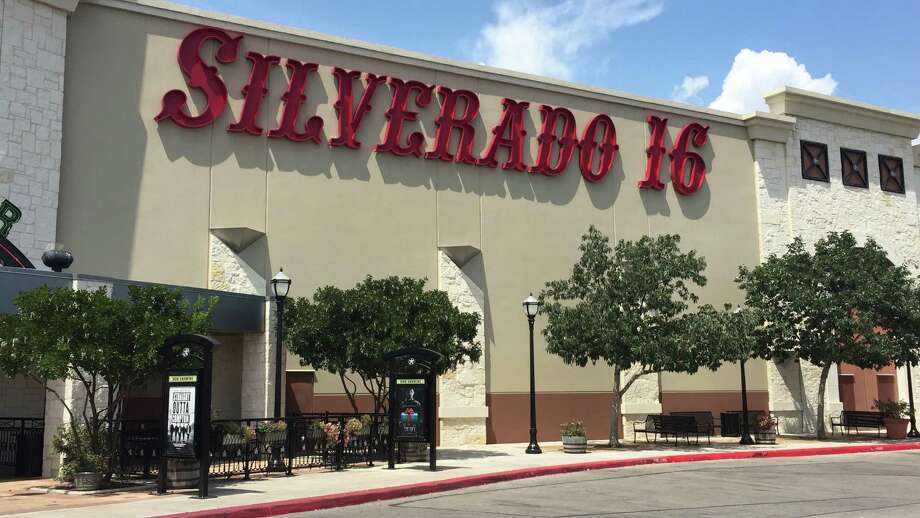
{"x":331,"y":430}
{"x":572,"y":429}
{"x":765,"y":423}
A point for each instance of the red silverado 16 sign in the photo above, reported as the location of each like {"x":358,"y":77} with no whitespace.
{"x":597,"y":146}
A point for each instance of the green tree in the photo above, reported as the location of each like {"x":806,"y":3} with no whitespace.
{"x":722,"y":335}
{"x":626,"y":307}
{"x":843,"y":303}
{"x":347,"y":332}
{"x":105,"y":345}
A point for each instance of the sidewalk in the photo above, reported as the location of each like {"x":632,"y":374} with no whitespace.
{"x":457,"y":467}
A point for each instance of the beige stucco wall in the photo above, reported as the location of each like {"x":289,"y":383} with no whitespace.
{"x":332,"y":216}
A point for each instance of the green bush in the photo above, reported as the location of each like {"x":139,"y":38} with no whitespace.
{"x":572,"y":429}
{"x":892,"y":409}
{"x":74,"y":442}
{"x":271,"y":426}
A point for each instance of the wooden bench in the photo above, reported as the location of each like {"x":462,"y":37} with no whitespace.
{"x":856,"y":419}
{"x":677,"y":426}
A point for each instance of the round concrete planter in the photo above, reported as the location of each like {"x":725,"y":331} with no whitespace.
{"x":896,"y":428}
{"x":87,"y":481}
{"x":575,"y":444}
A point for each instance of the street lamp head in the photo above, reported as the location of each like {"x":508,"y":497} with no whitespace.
{"x":531,"y":306}
{"x":281,"y":284}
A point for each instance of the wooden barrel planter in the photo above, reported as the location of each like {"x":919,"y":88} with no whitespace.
{"x":182,"y":473}
{"x":575,"y":444}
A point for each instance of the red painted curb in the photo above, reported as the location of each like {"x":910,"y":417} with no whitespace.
{"x":394,"y":492}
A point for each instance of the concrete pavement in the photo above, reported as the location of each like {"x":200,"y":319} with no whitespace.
{"x":470,"y":464}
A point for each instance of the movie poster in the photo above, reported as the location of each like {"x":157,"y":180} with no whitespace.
{"x":181,"y":421}
{"x":410,"y":396}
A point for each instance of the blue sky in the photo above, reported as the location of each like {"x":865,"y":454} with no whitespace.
{"x":670,"y":49}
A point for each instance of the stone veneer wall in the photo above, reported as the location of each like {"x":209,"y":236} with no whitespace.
{"x":32,"y":40}
{"x":642,"y":398}
{"x":790,"y":206}
{"x":229,"y":272}
{"x":462,"y":393}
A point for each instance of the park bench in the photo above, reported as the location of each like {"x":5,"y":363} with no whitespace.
{"x":677,"y":426}
{"x":705,"y":423}
{"x":856,"y":419}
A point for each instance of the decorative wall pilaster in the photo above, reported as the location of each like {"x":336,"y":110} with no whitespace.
{"x":462,"y":392}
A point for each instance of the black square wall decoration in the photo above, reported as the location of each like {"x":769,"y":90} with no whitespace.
{"x":814,"y":161}
{"x":891,"y":173}
{"x":854,"y":168}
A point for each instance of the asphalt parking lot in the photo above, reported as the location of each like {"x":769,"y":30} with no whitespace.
{"x":870,"y":484}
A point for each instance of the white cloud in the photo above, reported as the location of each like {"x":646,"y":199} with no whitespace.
{"x":754,"y":74}
{"x":687,"y":90}
{"x":545,"y":39}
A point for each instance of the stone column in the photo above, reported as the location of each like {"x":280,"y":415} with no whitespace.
{"x":72,"y":394}
{"x":642,"y":398}
{"x":32,"y":40}
{"x":463,"y":411}
{"x":230,"y":272}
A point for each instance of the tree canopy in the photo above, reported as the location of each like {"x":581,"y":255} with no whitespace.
{"x":347,"y":331}
{"x":106,"y":345}
{"x":626,"y":306}
{"x":842,"y":303}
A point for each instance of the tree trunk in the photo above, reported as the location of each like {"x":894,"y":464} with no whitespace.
{"x":819,"y":426}
{"x":614,"y":441}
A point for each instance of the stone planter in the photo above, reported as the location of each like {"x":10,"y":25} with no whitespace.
{"x":896,"y":427}
{"x":414,"y":451}
{"x":87,"y":481}
{"x":182,"y":473}
{"x":575,"y":444}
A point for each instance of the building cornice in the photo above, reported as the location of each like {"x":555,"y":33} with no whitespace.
{"x":801,"y":103}
{"x":64,"y":5}
{"x":769,"y":126}
{"x":296,"y":36}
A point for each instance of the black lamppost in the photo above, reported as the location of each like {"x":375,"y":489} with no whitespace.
{"x":745,"y":420}
{"x":910,"y":398}
{"x":531,"y":307}
{"x":281,"y":283}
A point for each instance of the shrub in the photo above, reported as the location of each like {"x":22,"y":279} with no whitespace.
{"x":74,"y":442}
{"x":892,"y":409}
{"x":573,"y":429}
{"x":272,"y":426}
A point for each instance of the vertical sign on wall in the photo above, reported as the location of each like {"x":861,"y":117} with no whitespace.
{"x":180,"y":419}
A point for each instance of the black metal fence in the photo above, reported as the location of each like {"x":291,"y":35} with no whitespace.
{"x":247,"y":446}
{"x":21,"y":440}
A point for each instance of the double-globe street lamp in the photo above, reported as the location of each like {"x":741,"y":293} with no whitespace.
{"x":531,"y":307}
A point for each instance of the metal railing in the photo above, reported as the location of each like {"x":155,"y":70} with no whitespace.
{"x":21,"y":440}
{"x":247,"y":446}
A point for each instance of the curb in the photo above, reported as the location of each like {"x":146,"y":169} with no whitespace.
{"x":390,"y":493}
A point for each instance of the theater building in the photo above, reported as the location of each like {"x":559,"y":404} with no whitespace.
{"x":165,"y":144}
